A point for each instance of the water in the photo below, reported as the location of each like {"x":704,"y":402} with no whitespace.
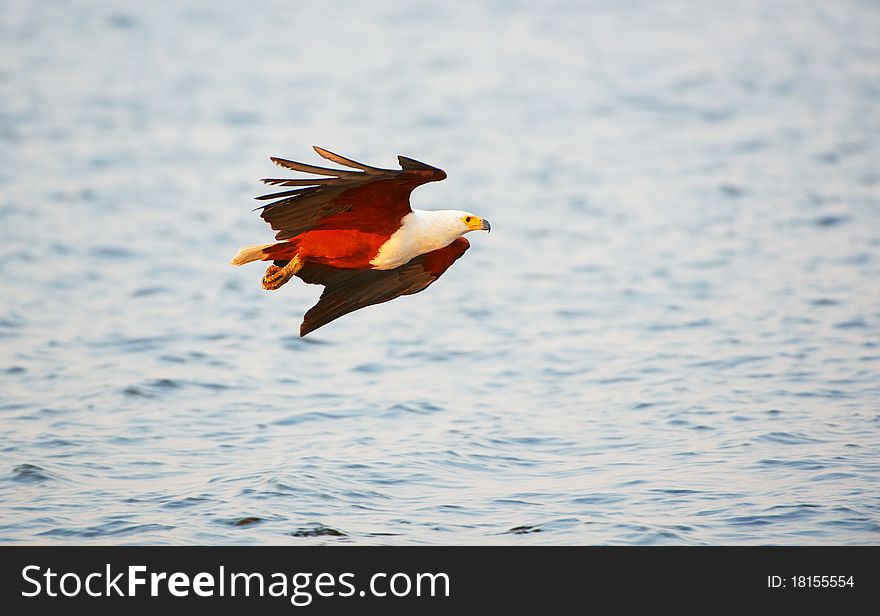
{"x":670,"y":336}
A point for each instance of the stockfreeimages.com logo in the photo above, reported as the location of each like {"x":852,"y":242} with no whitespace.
{"x":300,"y":588}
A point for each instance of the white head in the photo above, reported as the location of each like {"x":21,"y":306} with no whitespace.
{"x":454,"y":223}
{"x":424,"y":231}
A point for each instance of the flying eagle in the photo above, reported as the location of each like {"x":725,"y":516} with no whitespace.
{"x":355,"y":233}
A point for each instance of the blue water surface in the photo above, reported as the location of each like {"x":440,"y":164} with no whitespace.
{"x":671,"y":336}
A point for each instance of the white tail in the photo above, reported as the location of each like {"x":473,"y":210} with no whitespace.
{"x":248,"y":254}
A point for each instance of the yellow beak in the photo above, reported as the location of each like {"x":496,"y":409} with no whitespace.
{"x":479,"y":224}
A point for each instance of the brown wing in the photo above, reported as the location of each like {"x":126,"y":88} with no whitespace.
{"x":377,"y":198}
{"x":349,"y":290}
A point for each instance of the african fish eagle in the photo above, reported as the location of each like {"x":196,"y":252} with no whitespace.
{"x":355,"y":233}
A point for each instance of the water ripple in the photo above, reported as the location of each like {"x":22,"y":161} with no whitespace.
{"x":671,"y":336}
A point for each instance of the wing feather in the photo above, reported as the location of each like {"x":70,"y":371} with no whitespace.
{"x":289,"y":182}
{"x":341,"y":160}
{"x":376,"y":196}
{"x":284,"y":193}
{"x":295,"y":166}
{"x":348,"y":290}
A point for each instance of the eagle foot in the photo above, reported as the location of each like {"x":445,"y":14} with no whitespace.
{"x":276,"y":276}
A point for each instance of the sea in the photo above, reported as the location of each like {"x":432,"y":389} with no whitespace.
{"x":670,"y":336}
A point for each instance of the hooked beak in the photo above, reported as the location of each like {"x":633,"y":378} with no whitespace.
{"x":486,"y":226}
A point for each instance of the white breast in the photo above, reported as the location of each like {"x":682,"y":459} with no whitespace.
{"x":421,"y":231}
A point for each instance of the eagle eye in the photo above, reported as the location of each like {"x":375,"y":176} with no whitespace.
{"x":468,"y":219}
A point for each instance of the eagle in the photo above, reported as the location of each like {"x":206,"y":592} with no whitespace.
{"x":354,"y":232}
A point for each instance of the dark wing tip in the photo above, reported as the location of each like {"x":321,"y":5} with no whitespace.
{"x":410,"y":164}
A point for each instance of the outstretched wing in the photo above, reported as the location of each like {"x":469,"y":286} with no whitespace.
{"x":376,"y":197}
{"x":349,"y":290}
